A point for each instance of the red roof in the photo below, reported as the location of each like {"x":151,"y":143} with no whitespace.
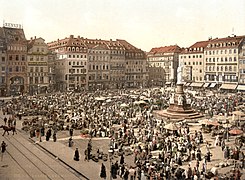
{"x":166,"y":49}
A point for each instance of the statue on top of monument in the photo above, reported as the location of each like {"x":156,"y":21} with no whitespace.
{"x":171,"y":100}
{"x":179,"y":74}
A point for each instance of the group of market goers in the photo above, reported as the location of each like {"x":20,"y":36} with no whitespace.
{"x":131,"y":124}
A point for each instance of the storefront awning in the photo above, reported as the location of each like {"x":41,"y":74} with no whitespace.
{"x":228,"y":86}
{"x":212,"y":85}
{"x":196,"y":84}
{"x":168,"y":83}
{"x":187,"y":84}
{"x":241,"y":87}
{"x":206,"y":85}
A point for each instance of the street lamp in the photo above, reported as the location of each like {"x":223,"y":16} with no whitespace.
{"x":110,"y":152}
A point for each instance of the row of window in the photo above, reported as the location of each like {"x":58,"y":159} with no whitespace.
{"x":16,"y":57}
{"x":36,"y":58}
{"x":79,"y":63}
{"x":36,"y":80}
{"x":99,"y":77}
{"x":38,"y":74}
{"x":221,"y":68}
{"x":196,"y":78}
{"x":77,"y":78}
{"x":193,"y":63}
{"x":193,"y":56}
{"x":98,"y":58}
{"x":77,"y":56}
{"x":14,"y":69}
{"x":230,"y":78}
{"x":222,"y":59}
{"x":37,"y":69}
{"x":242,"y":71}
{"x":16,"y":48}
{"x":78,"y":71}
{"x":98,"y":67}
{"x":230,"y":51}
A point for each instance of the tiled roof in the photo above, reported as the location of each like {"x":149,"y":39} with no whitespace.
{"x":9,"y":33}
{"x":196,"y":47}
{"x":200,"y":44}
{"x":93,"y":43}
{"x":166,"y":49}
{"x":233,"y":41}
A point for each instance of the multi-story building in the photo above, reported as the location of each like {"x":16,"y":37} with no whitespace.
{"x":117,"y":64}
{"x":71,"y":63}
{"x":51,"y":71}
{"x":241,"y":57}
{"x":221,"y":64}
{"x":37,"y":66}
{"x":136,"y":74}
{"x":166,"y":58}
{"x":3,"y":85}
{"x":98,"y":64}
{"x":192,"y":61}
{"x":15,"y":62}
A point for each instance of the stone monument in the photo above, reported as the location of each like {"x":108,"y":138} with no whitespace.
{"x":179,"y":106}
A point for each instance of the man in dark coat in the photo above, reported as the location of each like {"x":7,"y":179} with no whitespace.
{"x":113,"y":171}
{"x":76,"y":155}
{"x":103,"y":171}
{"x":122,"y":159}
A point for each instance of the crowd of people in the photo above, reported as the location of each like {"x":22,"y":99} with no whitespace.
{"x":126,"y":117}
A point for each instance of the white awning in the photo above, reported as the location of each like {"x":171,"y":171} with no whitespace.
{"x":168,"y":83}
{"x":241,"y":87}
{"x":187,"y":84}
{"x":228,"y":86}
{"x":206,"y":84}
{"x":196,"y":84}
{"x":212,"y":85}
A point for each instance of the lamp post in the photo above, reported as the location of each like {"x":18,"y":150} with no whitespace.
{"x":110,"y":152}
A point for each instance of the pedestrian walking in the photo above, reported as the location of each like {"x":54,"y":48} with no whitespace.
{"x":76,"y":155}
{"x":71,"y":132}
{"x":3,"y":149}
{"x":103,"y":171}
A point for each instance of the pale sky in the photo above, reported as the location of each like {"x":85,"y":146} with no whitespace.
{"x":143,"y":23}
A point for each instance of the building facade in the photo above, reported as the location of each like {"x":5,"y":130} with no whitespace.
{"x":98,"y":64}
{"x":221,"y":64}
{"x":70,"y":64}
{"x":166,"y":58}
{"x":15,"y":77}
{"x":136,"y":74}
{"x":37,"y":66}
{"x":192,"y":61}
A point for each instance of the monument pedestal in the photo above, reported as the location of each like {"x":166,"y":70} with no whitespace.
{"x":179,"y":107}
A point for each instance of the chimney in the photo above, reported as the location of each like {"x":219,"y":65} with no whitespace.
{"x":71,"y":36}
{"x":34,"y":37}
{"x":78,"y":37}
